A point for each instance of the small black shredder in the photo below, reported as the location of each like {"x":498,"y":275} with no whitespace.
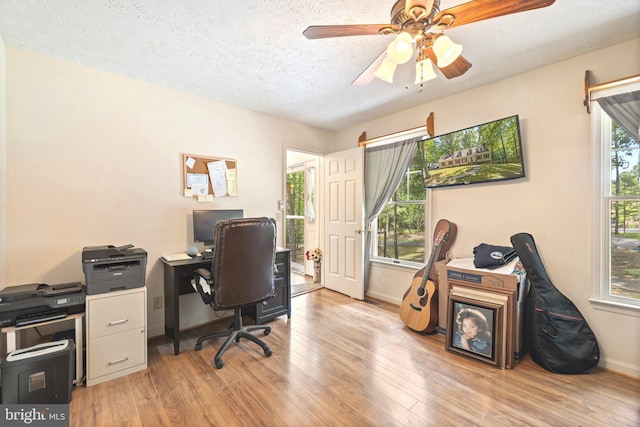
{"x":39,"y":374}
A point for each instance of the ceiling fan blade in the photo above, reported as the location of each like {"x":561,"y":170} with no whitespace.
{"x":367,"y":76}
{"x":456,"y":68}
{"x":480,"y":10}
{"x":327,"y":31}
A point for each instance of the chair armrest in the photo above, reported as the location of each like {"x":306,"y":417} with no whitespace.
{"x":206,"y":274}
{"x":202,"y":283}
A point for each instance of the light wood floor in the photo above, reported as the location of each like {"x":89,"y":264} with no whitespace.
{"x":342,"y":362}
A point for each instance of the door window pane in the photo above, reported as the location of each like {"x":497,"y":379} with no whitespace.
{"x":295,"y":216}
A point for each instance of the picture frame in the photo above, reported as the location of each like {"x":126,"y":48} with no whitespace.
{"x":502,"y":297}
{"x":485,"y":321}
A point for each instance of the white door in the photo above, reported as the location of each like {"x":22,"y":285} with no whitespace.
{"x":343,"y":241}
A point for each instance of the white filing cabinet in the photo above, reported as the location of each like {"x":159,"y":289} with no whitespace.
{"x":116,"y":334}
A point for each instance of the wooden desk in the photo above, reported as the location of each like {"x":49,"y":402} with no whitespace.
{"x":177,"y":281}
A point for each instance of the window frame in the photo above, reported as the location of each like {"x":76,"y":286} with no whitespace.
{"x":601,"y":127}
{"x":374,"y":226}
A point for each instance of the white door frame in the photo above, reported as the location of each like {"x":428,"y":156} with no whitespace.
{"x":293,"y":156}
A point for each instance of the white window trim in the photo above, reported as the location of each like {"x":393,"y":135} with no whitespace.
{"x":393,"y":261}
{"x":600,"y":275}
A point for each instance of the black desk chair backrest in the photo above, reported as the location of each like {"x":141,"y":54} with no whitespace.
{"x":243,"y":265}
{"x":241,"y":275}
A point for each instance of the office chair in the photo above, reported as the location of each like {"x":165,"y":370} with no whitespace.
{"x":242,"y":275}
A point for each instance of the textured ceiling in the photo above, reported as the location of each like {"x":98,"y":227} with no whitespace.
{"x":252,"y":54}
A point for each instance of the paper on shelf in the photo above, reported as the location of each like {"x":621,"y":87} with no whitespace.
{"x":176,"y":257}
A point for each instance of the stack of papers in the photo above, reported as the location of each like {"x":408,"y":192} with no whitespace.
{"x":176,"y":257}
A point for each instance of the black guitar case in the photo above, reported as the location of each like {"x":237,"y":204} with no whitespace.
{"x":555,"y":333}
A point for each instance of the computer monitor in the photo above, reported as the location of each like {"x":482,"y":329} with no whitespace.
{"x":204,"y":223}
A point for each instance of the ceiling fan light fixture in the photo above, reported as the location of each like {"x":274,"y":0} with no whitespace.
{"x":386,"y":70}
{"x":446,"y":50}
{"x":424,"y":71}
{"x":418,"y":9}
{"x":401,"y":49}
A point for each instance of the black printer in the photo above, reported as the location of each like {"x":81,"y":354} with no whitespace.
{"x":109,"y":268}
{"x":38,"y":302}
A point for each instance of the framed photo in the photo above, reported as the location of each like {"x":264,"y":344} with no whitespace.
{"x":503,"y":297}
{"x":474,"y":329}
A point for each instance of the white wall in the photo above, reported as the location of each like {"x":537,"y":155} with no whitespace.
{"x":3,"y":158}
{"x":95,"y":158}
{"x":553,"y":203}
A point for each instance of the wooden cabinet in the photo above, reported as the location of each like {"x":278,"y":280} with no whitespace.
{"x":281,"y":303}
{"x":116,"y":334}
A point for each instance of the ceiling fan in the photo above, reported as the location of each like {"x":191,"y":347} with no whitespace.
{"x":419,"y":25}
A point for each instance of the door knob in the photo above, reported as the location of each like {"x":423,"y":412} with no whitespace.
{"x":358,"y":231}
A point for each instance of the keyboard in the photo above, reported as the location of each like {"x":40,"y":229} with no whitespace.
{"x":43,"y":316}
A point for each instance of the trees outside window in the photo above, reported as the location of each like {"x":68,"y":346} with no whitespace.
{"x":616,"y":231}
{"x":625,"y":215}
{"x":401,"y":224}
{"x":295,"y":215}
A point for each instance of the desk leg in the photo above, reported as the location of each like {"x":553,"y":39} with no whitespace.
{"x":79,"y":345}
{"x":176,"y":311}
{"x":172,"y":306}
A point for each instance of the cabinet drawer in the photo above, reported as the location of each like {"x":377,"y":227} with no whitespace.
{"x":114,"y":353}
{"x":111,"y":315}
{"x":279,"y":301}
{"x":281,"y":271}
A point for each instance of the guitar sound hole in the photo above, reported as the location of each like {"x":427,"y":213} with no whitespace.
{"x":420,"y":292}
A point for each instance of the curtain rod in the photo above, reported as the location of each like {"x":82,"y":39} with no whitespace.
{"x":362,"y":140}
{"x":588,"y":88}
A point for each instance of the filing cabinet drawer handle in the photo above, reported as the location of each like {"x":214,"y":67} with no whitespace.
{"x":117,"y":322}
{"x":113,"y":362}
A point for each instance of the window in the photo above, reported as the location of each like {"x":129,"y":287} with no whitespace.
{"x":401,"y":224}
{"x":616,"y":258}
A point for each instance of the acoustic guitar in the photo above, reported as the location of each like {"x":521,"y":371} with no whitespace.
{"x":419,"y":307}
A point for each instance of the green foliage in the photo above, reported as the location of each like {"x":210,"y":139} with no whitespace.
{"x":295,"y":193}
{"x":625,"y":178}
{"x":500,"y":137}
{"x":633,"y":272}
{"x":401,"y":224}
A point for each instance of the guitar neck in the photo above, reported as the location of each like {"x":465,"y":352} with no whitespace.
{"x":427,"y":269}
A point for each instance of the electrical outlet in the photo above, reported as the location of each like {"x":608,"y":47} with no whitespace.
{"x":157,"y":303}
